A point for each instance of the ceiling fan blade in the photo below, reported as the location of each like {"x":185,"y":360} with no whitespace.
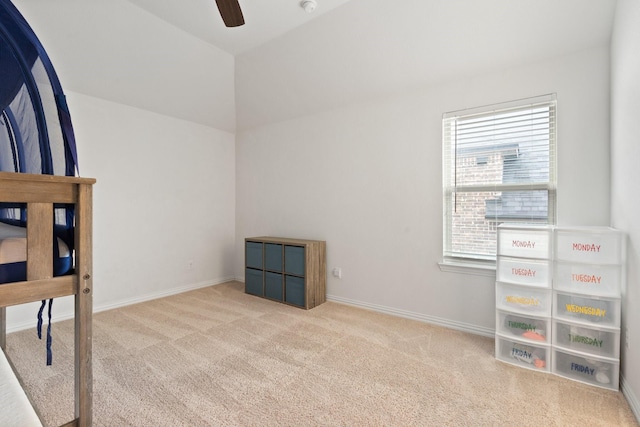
{"x":230,"y":12}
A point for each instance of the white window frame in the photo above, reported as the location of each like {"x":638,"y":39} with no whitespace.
{"x":484,"y":264}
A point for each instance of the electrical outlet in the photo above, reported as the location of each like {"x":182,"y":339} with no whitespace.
{"x":337,"y":272}
{"x":190,"y":265}
{"x":626,"y":337}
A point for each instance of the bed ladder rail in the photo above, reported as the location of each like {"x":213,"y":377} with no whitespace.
{"x":40,"y":193}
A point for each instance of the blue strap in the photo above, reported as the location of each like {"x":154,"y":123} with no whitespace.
{"x":39,"y":327}
{"x":49,"y":339}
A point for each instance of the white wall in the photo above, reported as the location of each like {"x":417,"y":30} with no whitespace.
{"x":164,"y":200}
{"x":625,"y":155}
{"x":163,"y":204}
{"x":367,"y":179}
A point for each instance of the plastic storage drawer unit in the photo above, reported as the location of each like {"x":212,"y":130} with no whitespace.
{"x":523,"y":354}
{"x":598,"y":371}
{"x":527,"y":300}
{"x":602,"y":342}
{"x":527,"y":328}
{"x":589,"y":310}
{"x":591,"y":279}
{"x":525,"y":242}
{"x":523,"y":271}
{"x":598,"y":245}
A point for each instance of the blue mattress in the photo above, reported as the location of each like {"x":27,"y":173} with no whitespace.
{"x":16,"y":270}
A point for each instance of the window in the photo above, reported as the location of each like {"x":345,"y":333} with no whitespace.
{"x":498,"y":166}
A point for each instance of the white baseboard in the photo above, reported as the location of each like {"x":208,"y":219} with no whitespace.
{"x":459,"y":326}
{"x":631,"y":397}
{"x":122,"y":303}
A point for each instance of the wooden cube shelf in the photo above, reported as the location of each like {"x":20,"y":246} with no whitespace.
{"x":292,"y":271}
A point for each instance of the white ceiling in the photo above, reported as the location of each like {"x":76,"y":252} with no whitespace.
{"x":264,"y":19}
{"x":369,"y":49}
{"x":178,"y":59}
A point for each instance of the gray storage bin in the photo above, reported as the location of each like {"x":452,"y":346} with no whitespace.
{"x":294,"y":260}
{"x":294,"y":288}
{"x":254,"y":254}
{"x":253,"y":282}
{"x":273,"y":257}
{"x":273,"y":285}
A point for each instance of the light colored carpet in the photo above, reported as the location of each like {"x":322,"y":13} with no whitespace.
{"x":219,"y":357}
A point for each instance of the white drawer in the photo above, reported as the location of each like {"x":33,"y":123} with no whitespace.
{"x":601,"y":372}
{"x":591,"y":279}
{"x":527,"y":328}
{"x":523,"y":354}
{"x":525,"y":241}
{"x":588,"y":310}
{"x":602,"y":342}
{"x":523,"y":271}
{"x":598,"y":245}
{"x":527,"y":300}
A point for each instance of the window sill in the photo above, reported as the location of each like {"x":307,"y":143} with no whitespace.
{"x":462,"y":267}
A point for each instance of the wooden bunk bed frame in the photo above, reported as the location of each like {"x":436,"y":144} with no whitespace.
{"x":40,"y":192}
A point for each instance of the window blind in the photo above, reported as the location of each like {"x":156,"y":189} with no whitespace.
{"x":499,"y":165}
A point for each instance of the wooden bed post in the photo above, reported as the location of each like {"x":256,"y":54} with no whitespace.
{"x":84,"y":307}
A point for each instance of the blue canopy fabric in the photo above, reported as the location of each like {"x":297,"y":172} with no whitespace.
{"x":31,"y":90}
{"x":36,"y":135}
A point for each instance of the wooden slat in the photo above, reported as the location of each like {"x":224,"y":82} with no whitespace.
{"x":84,"y":307}
{"x":20,"y":178}
{"x":49,"y":192}
{"x":39,"y":241}
{"x":282,"y":240}
{"x":25,"y":188}
{"x":37,"y":290}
